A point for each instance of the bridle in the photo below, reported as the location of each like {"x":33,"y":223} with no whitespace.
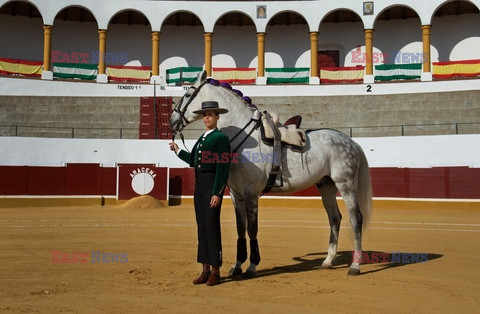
{"x":181,"y":113}
{"x":255,"y":118}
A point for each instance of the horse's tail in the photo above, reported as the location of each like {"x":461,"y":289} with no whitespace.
{"x":364,"y":190}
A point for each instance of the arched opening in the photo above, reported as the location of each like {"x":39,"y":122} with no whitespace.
{"x":181,"y":46}
{"x":234,"y":55}
{"x":456,"y":31}
{"x":129,"y":41}
{"x":405,"y":46}
{"x":74,"y":37}
{"x":287,"y":41}
{"x":21,"y":24}
{"x":340,"y":36}
{"x":235,"y":43}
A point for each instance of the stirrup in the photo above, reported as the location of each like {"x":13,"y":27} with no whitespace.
{"x":278,"y":183}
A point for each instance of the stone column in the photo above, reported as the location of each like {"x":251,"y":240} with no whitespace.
{"x":155,"y":58}
{"x":208,"y":53}
{"x":47,"y":73}
{"x":102,"y":49}
{"x":369,"y":77}
{"x":261,"y":79}
{"x":314,"y":77}
{"x":427,"y":72}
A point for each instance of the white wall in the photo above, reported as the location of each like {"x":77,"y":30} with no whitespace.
{"x":28,"y":87}
{"x":414,"y":152}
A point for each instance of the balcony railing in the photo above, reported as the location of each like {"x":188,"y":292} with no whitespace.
{"x":352,"y":131}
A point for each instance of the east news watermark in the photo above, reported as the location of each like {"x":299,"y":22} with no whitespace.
{"x":92,"y":57}
{"x":92,"y":257}
{"x":402,"y":57}
{"x":208,"y":157}
{"x":383,"y":257}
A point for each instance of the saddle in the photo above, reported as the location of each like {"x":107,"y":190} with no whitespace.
{"x":290,"y":132}
{"x":278,"y":135}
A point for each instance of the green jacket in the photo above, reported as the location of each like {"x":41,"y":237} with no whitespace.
{"x":211,"y":153}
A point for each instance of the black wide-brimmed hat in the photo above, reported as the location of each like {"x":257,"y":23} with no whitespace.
{"x":210,"y":106}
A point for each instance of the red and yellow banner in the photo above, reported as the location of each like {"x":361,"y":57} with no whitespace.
{"x":128,"y":73}
{"x":20,"y":67}
{"x":466,"y":68}
{"x":235,"y":75}
{"x":341,"y":74}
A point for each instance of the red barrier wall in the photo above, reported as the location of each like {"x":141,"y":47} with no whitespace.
{"x":83,"y":179}
{"x":441,"y":182}
{"x":13,"y":180}
{"x":92,"y":179}
{"x":391,"y":182}
{"x":46,"y":181}
{"x":74,"y":179}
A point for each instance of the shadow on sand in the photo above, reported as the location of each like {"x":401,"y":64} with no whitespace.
{"x":313,"y":261}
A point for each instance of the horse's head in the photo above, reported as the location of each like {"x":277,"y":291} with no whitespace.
{"x":183,"y":111}
{"x":240,"y":107}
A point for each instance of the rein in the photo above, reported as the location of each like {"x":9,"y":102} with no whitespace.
{"x":256,"y":119}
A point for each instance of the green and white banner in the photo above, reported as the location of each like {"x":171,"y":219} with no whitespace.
{"x":287,"y":75}
{"x":81,"y":71}
{"x":390,"y":72}
{"x":183,"y":74}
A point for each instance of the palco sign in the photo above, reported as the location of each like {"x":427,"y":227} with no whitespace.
{"x":142,"y":179}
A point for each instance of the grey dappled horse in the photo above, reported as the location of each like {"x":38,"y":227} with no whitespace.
{"x":331,"y":160}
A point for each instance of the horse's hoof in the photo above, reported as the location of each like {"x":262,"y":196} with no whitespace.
{"x":326,"y":266}
{"x":235,"y":272}
{"x":249,"y":274}
{"x":353,"y":272}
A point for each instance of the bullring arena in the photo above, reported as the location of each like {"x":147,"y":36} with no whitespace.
{"x":161,"y":244}
{"x":96,"y":213}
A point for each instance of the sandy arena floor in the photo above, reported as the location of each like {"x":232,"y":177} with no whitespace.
{"x":160,"y":245}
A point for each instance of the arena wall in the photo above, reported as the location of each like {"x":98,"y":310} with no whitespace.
{"x":61,"y":109}
{"x":42,"y":171}
{"x":74,"y":110}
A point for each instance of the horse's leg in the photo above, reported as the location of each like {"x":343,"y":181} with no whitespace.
{"x":251,"y":205}
{"x":241,"y":218}
{"x":356,"y":220}
{"x":329,"y":199}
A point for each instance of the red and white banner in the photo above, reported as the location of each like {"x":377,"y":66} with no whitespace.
{"x":20,"y":67}
{"x":128,"y":73}
{"x":341,"y":74}
{"x":235,"y":75}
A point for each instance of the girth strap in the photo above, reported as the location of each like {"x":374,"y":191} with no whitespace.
{"x":276,"y":171}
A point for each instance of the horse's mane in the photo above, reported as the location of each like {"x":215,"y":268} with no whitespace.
{"x":247,"y":100}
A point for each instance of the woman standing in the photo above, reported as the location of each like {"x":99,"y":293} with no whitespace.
{"x":211,"y":158}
